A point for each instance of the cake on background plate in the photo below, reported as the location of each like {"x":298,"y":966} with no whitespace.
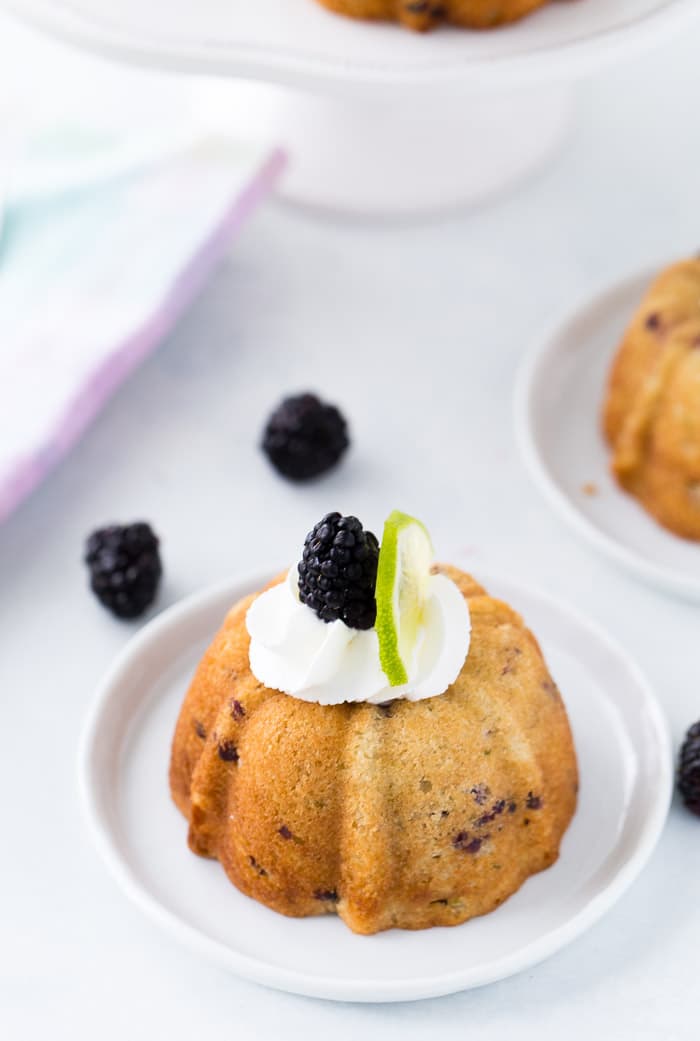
{"x":424,"y":14}
{"x":375,"y":736}
{"x":651,"y":415}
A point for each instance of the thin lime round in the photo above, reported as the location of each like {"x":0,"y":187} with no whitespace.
{"x":405,"y":558}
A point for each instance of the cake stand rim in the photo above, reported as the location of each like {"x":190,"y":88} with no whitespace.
{"x":564,"y":61}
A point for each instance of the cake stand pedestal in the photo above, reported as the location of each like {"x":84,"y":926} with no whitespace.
{"x":378,"y":120}
{"x":387,"y":156}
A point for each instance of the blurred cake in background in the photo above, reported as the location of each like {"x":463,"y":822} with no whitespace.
{"x":424,"y":14}
{"x":651,"y":414}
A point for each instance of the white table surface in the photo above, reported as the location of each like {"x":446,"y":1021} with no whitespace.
{"x":416,"y":331}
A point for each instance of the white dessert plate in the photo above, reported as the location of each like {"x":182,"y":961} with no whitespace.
{"x":626,"y":779}
{"x":299,"y":42}
{"x":559,"y":396}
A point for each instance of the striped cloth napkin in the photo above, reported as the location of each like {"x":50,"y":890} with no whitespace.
{"x":93,"y":278}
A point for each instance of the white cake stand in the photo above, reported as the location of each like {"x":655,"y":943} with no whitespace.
{"x":380,"y":121}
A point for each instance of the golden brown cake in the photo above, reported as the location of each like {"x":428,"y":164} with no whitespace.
{"x":475,"y":14}
{"x":652,"y":410}
{"x":409,"y":814}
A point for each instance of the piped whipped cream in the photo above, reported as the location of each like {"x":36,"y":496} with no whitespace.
{"x":293,"y":650}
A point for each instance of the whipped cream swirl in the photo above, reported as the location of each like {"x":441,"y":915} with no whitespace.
{"x":293,"y":650}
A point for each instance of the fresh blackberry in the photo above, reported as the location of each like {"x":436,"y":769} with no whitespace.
{"x":689,"y":769}
{"x":338,"y":571}
{"x":305,"y":437}
{"x":125,"y":567}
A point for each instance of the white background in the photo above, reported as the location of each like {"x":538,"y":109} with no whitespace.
{"x":417,"y":332}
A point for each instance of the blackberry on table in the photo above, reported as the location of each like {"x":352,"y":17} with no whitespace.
{"x":338,"y":571}
{"x":125,"y":567}
{"x":305,"y":437}
{"x":689,"y":769}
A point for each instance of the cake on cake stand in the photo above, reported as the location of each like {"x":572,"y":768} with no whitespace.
{"x":375,"y":119}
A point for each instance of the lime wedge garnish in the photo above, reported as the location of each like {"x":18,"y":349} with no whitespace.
{"x":405,"y":557}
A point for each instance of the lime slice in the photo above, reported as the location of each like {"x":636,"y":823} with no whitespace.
{"x":405,"y":558}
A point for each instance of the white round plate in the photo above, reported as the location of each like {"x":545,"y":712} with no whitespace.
{"x":299,"y":42}
{"x":559,"y":396}
{"x":625,"y":765}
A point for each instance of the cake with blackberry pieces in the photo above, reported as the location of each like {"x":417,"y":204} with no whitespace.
{"x":651,"y":415}
{"x":374,"y":736}
{"x":425,"y":14}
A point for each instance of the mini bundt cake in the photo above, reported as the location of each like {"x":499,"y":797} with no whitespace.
{"x":422,"y":15}
{"x":405,"y":814}
{"x":652,"y":410}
